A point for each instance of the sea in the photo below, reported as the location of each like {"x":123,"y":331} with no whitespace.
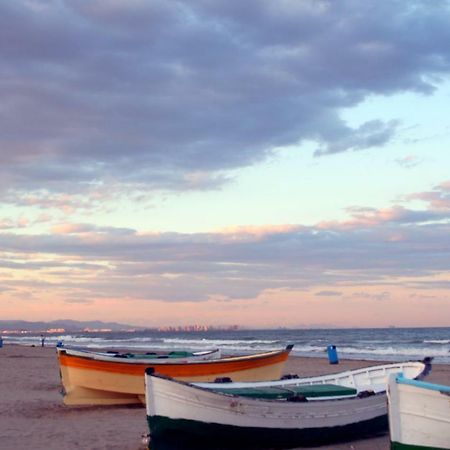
{"x":376,"y":344}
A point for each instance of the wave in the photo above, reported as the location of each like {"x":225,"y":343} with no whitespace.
{"x":225,"y":342}
{"x":406,"y":351}
{"x":350,"y":344}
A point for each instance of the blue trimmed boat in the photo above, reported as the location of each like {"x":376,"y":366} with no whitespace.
{"x":419,"y":414}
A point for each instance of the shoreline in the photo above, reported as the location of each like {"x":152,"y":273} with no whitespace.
{"x":33,"y":416}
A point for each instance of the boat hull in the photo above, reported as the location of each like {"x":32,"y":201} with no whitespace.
{"x":197,"y":434}
{"x":194,"y":415}
{"x":200,"y":416}
{"x":419,"y":415}
{"x":90,"y":381}
{"x":400,"y":446}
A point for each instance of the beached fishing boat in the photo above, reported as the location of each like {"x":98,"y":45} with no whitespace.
{"x":178,"y":356}
{"x":99,"y":379}
{"x":279,"y":414}
{"x":419,"y":414}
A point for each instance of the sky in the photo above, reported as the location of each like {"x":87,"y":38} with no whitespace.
{"x":258,"y":163}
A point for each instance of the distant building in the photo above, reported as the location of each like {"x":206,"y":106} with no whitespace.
{"x":194,"y":328}
{"x":96,"y":330}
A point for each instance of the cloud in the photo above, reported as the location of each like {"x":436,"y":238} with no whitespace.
{"x":433,"y":284}
{"x":175,"y":95}
{"x":371,"y":296}
{"x":437,"y":209}
{"x":438,"y":198}
{"x":88,"y":229}
{"x":373,"y":248}
{"x":328,"y":294}
{"x":370,"y":134}
{"x":408,"y":161}
{"x":255,"y":232}
{"x":4,"y":289}
{"x":6,"y":224}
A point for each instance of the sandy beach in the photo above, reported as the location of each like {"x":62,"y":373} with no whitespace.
{"x":32,"y":414}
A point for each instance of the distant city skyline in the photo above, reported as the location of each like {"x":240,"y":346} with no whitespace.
{"x":39,"y":328}
{"x":264,"y":164}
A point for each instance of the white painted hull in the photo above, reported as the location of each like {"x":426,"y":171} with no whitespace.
{"x":96,"y":379}
{"x":176,"y":400}
{"x":373,"y":378}
{"x":419,"y":414}
{"x":171,"y":405}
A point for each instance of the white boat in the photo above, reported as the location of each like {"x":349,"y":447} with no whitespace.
{"x":284,"y":413}
{"x":136,"y":358}
{"x":419,"y":414}
{"x":372,"y":378}
{"x":90,"y":378}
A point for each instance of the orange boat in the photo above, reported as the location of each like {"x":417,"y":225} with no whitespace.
{"x":98,"y":379}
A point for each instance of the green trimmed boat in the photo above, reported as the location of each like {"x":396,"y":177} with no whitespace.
{"x":274,"y":414}
{"x":179,"y":355}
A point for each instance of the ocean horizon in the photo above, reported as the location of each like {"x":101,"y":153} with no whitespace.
{"x":377,"y":344}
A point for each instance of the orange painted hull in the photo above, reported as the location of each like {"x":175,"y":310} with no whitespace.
{"x":90,"y":381}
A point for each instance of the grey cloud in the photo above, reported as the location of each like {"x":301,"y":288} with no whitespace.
{"x":439,"y":284}
{"x":378,"y":296}
{"x":40,"y":264}
{"x":79,"y":300}
{"x":105,"y":262}
{"x":328,"y":294}
{"x":5,"y":289}
{"x":370,"y":134}
{"x":408,"y":162}
{"x":151,"y":92}
{"x":6,"y":224}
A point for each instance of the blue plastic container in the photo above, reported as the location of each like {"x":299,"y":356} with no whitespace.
{"x":332,"y":354}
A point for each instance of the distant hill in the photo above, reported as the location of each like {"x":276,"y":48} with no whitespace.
{"x":68,"y":325}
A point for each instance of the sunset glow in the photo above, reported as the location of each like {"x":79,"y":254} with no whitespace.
{"x":261,"y":164}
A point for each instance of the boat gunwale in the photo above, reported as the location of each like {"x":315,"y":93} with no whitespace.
{"x":310,"y":380}
{"x":100,"y":357}
{"x":256,"y":399}
{"x":187,"y":370}
{"x":400,"y":379}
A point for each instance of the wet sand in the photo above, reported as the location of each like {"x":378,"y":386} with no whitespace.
{"x":32,"y":414}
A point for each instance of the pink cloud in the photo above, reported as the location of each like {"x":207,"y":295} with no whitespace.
{"x":438,"y":199}
{"x":368,"y":217}
{"x":6,"y":224}
{"x":256,"y":232}
{"x":71,"y":228}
